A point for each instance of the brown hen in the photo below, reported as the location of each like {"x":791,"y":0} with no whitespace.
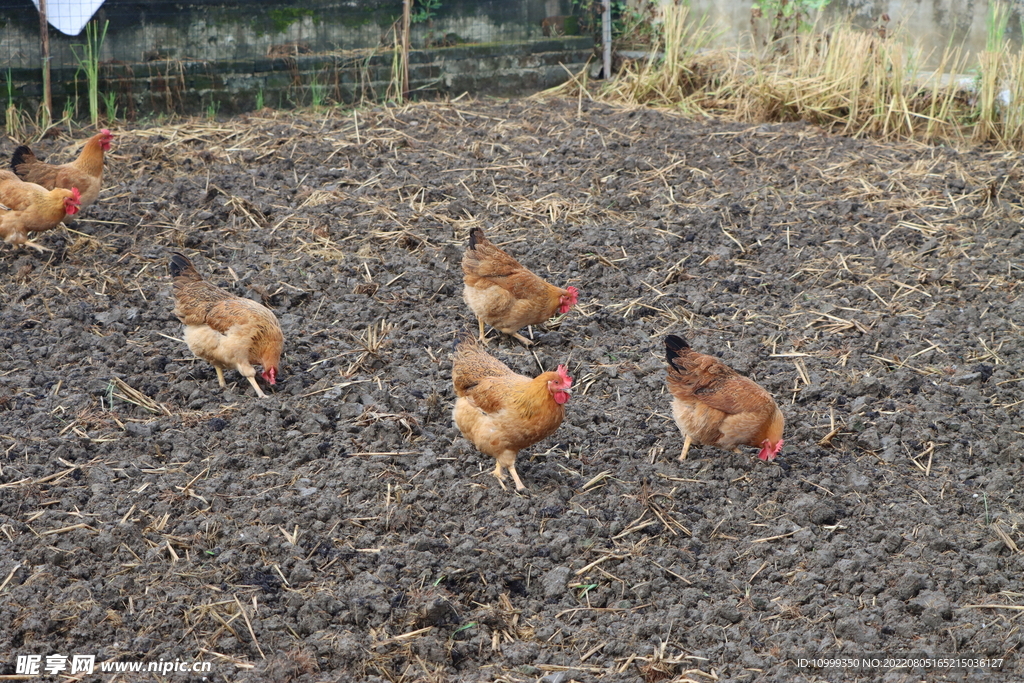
{"x":223,"y":329}
{"x":502,"y":412}
{"x":504,"y":294}
{"x":27,"y":207}
{"x":85,"y":172}
{"x":713,"y":405}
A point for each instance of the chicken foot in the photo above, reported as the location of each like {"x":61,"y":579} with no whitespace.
{"x":19,"y":240}
{"x":483,"y":336}
{"x":515,"y":335}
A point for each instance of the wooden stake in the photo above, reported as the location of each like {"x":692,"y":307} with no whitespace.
{"x":44,"y":46}
{"x":606,"y":38}
{"x":406,"y":21}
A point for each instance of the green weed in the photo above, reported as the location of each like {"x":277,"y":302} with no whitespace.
{"x":89,"y":63}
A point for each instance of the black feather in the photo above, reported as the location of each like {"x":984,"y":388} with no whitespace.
{"x":463,"y":336}
{"x":180,"y":264}
{"x":673,"y":345}
{"x":18,"y":158}
{"x":476,"y":235}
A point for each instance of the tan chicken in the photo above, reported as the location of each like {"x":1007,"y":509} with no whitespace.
{"x":502,"y":412}
{"x":714,"y":405}
{"x":27,"y":207}
{"x":224,"y":329}
{"x":85,"y":172}
{"x":504,"y":294}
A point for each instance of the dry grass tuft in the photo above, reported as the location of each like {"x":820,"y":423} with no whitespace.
{"x":859,"y":82}
{"x":122,"y":391}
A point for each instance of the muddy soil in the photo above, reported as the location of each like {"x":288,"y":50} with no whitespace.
{"x":342,"y":530}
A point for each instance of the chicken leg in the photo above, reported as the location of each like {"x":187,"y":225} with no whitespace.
{"x":515,"y":477}
{"x":35,"y":245}
{"x":252,"y":381}
{"x":526,"y":342}
{"x":500,"y":475}
{"x":507,"y":460}
{"x":686,"y":447}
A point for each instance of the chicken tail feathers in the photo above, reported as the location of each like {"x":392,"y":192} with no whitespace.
{"x":464,"y":341}
{"x":465,"y":351}
{"x":476,"y":236}
{"x":22,"y":155}
{"x":673,"y":345}
{"x":180,"y":266}
{"x":471,"y":363}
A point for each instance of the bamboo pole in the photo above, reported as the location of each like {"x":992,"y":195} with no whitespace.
{"x":44,"y":47}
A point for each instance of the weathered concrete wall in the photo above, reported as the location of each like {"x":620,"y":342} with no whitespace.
{"x":165,"y":86}
{"x":188,"y":56}
{"x":215,"y":30}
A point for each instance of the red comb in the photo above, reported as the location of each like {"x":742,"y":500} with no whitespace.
{"x":568,"y":300}
{"x":563,"y":373}
{"x":75,"y":194}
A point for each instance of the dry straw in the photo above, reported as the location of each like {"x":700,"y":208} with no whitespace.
{"x":853,"y":81}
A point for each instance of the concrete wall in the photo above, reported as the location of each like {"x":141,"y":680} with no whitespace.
{"x":233,"y":86}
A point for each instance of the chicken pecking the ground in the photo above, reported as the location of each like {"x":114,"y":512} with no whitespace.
{"x":27,"y":207}
{"x":713,"y":405}
{"x":85,"y":172}
{"x":504,"y":294}
{"x":226,"y":330}
{"x":502,"y":412}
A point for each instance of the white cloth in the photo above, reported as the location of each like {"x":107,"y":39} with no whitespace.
{"x":70,"y":16}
